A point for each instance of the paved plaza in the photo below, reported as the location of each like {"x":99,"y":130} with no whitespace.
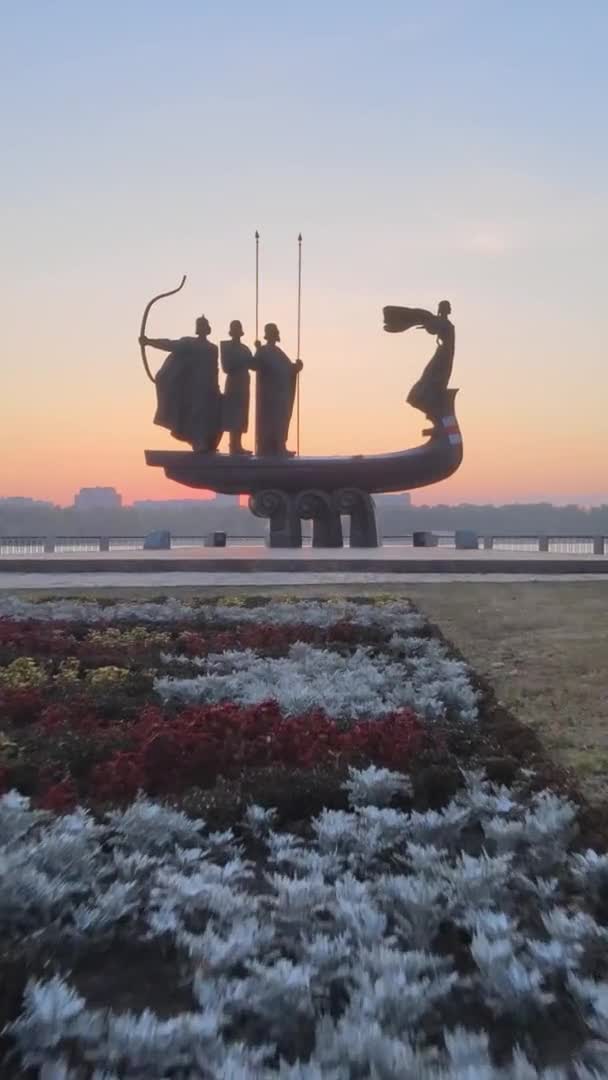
{"x":389,"y":566}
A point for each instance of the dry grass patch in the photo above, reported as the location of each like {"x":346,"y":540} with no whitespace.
{"x":544,"y":648}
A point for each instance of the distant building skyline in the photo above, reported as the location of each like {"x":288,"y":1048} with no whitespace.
{"x":22,"y":502}
{"x":398,"y":499}
{"x":186,"y":504}
{"x":422,"y":498}
{"x":97,"y":498}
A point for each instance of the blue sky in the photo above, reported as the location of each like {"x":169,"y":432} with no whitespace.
{"x":424,"y":150}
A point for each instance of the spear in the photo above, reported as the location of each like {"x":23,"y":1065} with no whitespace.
{"x":299,"y":335}
{"x":257,"y":326}
{"x":257,"y":284}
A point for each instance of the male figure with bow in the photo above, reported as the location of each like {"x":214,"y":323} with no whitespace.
{"x":187,"y":388}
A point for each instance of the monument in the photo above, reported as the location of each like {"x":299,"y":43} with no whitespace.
{"x":283,"y":487}
{"x":236,"y":362}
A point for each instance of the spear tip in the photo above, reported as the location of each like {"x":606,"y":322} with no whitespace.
{"x":299,"y":238}
{"x":257,"y":235}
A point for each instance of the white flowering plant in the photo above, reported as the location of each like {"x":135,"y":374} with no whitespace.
{"x":397,"y":930}
{"x":320,"y":954}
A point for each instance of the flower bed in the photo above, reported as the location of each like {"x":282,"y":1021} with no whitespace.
{"x":100,"y":702}
{"x":379,"y":942}
{"x":398,"y":915}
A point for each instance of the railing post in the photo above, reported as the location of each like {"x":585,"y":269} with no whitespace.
{"x":49,"y":545}
{"x":543,"y":543}
{"x":598,"y":545}
{"x":104,"y":543}
{"x":488,"y":543}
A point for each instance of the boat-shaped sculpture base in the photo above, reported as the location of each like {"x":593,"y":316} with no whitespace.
{"x":322,"y":489}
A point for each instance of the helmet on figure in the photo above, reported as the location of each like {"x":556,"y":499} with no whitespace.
{"x":271,"y":333}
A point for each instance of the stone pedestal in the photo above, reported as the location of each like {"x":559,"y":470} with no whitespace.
{"x":362,"y":511}
{"x":424,"y":539}
{"x":318,"y":507}
{"x":466,"y":540}
{"x":285,"y":512}
{"x":215,"y":539}
{"x":285,"y":530}
{"x":159,"y":540}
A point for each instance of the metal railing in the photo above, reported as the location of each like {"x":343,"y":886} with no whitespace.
{"x":553,"y":544}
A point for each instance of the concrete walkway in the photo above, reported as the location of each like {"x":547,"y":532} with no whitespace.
{"x":264,"y":567}
{"x":255,"y":561}
{"x":251,"y":553}
{"x":169,"y":582}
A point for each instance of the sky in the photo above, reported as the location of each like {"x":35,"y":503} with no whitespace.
{"x":456,"y":148}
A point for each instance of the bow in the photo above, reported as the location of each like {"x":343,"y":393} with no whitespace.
{"x":142,"y":332}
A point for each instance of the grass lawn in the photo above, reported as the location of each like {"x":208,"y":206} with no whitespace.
{"x":544,"y":649}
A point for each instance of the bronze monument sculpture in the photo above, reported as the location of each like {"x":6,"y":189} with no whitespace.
{"x":282,"y":487}
{"x":276,"y":392}
{"x":236,"y":362}
{"x":187,"y":388}
{"x":436,"y":375}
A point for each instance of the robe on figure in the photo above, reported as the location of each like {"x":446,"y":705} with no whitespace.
{"x":275,"y":395}
{"x":188,"y":393}
{"x":236,"y":361}
{"x":428,"y":393}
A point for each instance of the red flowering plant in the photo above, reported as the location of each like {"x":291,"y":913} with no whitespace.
{"x":20,"y":705}
{"x":34,"y":639}
{"x":269,"y":639}
{"x":164,"y":753}
{"x":130,"y":646}
{"x":81,"y":720}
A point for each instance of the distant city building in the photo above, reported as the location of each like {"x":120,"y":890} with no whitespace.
{"x":185,"y":504}
{"x":399,"y":500}
{"x":169,"y":504}
{"x":23,"y":502}
{"x":97,"y":498}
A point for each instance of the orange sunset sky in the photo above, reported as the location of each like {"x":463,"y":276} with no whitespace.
{"x":458,"y":152}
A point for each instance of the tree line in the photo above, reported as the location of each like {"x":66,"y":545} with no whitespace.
{"x":518,"y":519}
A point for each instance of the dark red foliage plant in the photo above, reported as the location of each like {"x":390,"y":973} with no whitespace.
{"x":20,"y":706}
{"x":169,"y":753}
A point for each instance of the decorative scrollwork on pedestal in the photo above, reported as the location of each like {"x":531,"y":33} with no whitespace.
{"x":326,"y":525}
{"x":359,"y":505}
{"x":267,"y":504}
{"x":285,"y":511}
{"x":285,"y":529}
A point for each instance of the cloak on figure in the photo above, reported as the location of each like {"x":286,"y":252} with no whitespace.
{"x":236,"y":361}
{"x":275,"y":394}
{"x":428,"y":393}
{"x":188,"y":393}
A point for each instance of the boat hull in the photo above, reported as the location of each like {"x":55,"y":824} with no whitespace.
{"x":404,"y":470}
{"x":288,"y":490}
{"x":410,"y":469}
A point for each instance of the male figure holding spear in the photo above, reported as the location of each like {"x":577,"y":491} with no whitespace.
{"x":275,"y":394}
